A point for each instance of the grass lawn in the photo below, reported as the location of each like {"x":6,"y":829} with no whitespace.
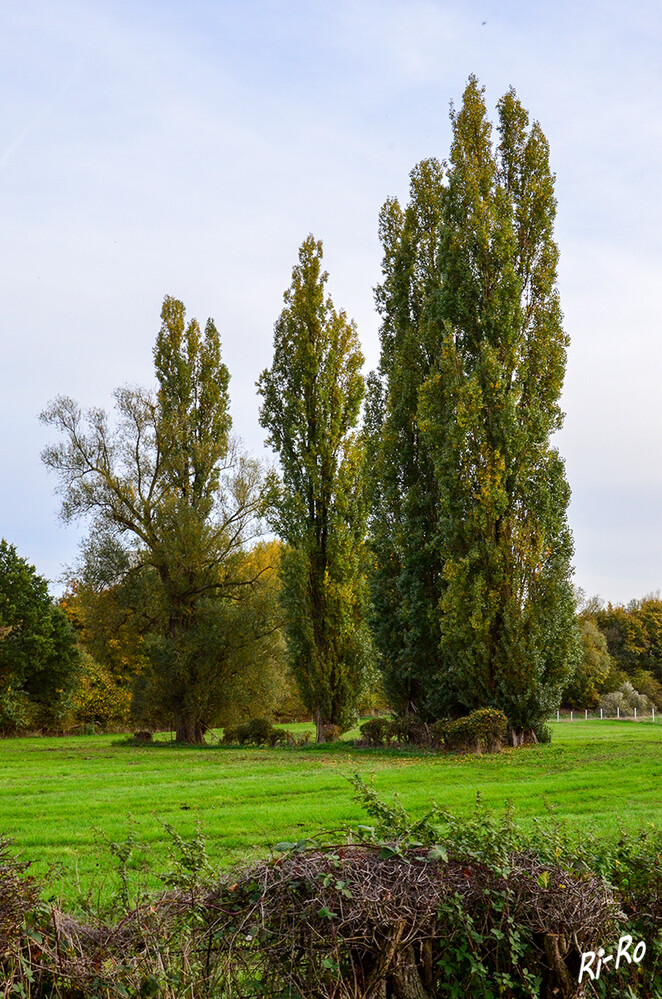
{"x":59,"y":795}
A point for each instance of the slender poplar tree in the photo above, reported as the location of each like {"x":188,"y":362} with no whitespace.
{"x":406,"y":577}
{"x":488,"y":415}
{"x":312,"y":397}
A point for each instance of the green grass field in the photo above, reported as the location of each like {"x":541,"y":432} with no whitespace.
{"x":61,"y":796}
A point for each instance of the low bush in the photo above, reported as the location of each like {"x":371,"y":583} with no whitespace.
{"x":409,"y":730}
{"x":375,"y":732}
{"x":282,"y":737}
{"x":485,"y":730}
{"x":543,"y":734}
{"x":256,"y":732}
{"x":260,"y":732}
{"x":626,"y":700}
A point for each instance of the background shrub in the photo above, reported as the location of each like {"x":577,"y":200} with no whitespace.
{"x":485,"y":730}
{"x":260,"y":732}
{"x":408,"y":730}
{"x":375,"y":732}
{"x":627,"y":699}
{"x":482,"y":730}
{"x":256,"y":731}
{"x":100,"y":698}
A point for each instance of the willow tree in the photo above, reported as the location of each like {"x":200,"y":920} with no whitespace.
{"x":172,"y":501}
{"x":312,"y":397}
{"x":406,"y":576}
{"x":489,"y":413}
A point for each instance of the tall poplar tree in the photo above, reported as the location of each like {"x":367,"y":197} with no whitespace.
{"x":488,"y":414}
{"x":312,"y":396}
{"x":406,"y":577}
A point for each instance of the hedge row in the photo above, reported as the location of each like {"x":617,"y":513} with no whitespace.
{"x":485,"y":730}
{"x":260,"y":732}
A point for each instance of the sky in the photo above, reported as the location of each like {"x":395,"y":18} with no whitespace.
{"x":152,"y":148}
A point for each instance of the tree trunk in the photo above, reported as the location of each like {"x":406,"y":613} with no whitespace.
{"x":560,"y":981}
{"x":406,"y":979}
{"x":319,"y":725}
{"x":521,"y":736}
{"x":190,"y":731}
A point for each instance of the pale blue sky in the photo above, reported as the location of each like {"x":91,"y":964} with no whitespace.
{"x":152,"y":148}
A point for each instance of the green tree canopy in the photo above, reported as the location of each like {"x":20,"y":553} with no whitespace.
{"x":38,"y":654}
{"x":406,"y":577}
{"x":634,"y":634}
{"x":312,"y":396}
{"x":488,"y":414}
{"x":173,"y":500}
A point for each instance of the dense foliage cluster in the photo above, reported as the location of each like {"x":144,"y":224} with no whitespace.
{"x":406,"y":580}
{"x":620,"y":645}
{"x":484,"y":730}
{"x":38,"y":655}
{"x":472,"y":583}
{"x":312,"y":397}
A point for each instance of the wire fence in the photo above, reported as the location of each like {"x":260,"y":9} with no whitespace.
{"x":618,"y":714}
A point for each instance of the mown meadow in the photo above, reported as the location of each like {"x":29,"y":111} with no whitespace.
{"x":64,"y":800}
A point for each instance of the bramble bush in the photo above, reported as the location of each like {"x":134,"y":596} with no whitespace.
{"x":431,"y":908}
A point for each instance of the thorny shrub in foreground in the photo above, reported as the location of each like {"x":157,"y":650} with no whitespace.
{"x":439,"y":907}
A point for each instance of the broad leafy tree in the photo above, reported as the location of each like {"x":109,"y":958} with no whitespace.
{"x":311,"y":400}
{"x":489,"y":413}
{"x":595,"y":672}
{"x":174,"y":501}
{"x":634,"y":634}
{"x":39,"y":658}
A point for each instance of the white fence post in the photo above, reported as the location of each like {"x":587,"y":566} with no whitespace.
{"x":653,"y":710}
{"x":600,"y":712}
{"x":585,"y":714}
{"x":635,"y":714}
{"x":618,"y":712}
{"x":557,"y":716}
{"x":571,"y":716}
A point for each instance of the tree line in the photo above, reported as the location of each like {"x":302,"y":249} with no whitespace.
{"x":621,"y":644}
{"x":423,"y":544}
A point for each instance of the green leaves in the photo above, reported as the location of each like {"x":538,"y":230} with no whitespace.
{"x":311,"y":399}
{"x":39,"y":660}
{"x":175,"y":502}
{"x":297,"y":847}
{"x":507,"y":633}
{"x":406,"y":578}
